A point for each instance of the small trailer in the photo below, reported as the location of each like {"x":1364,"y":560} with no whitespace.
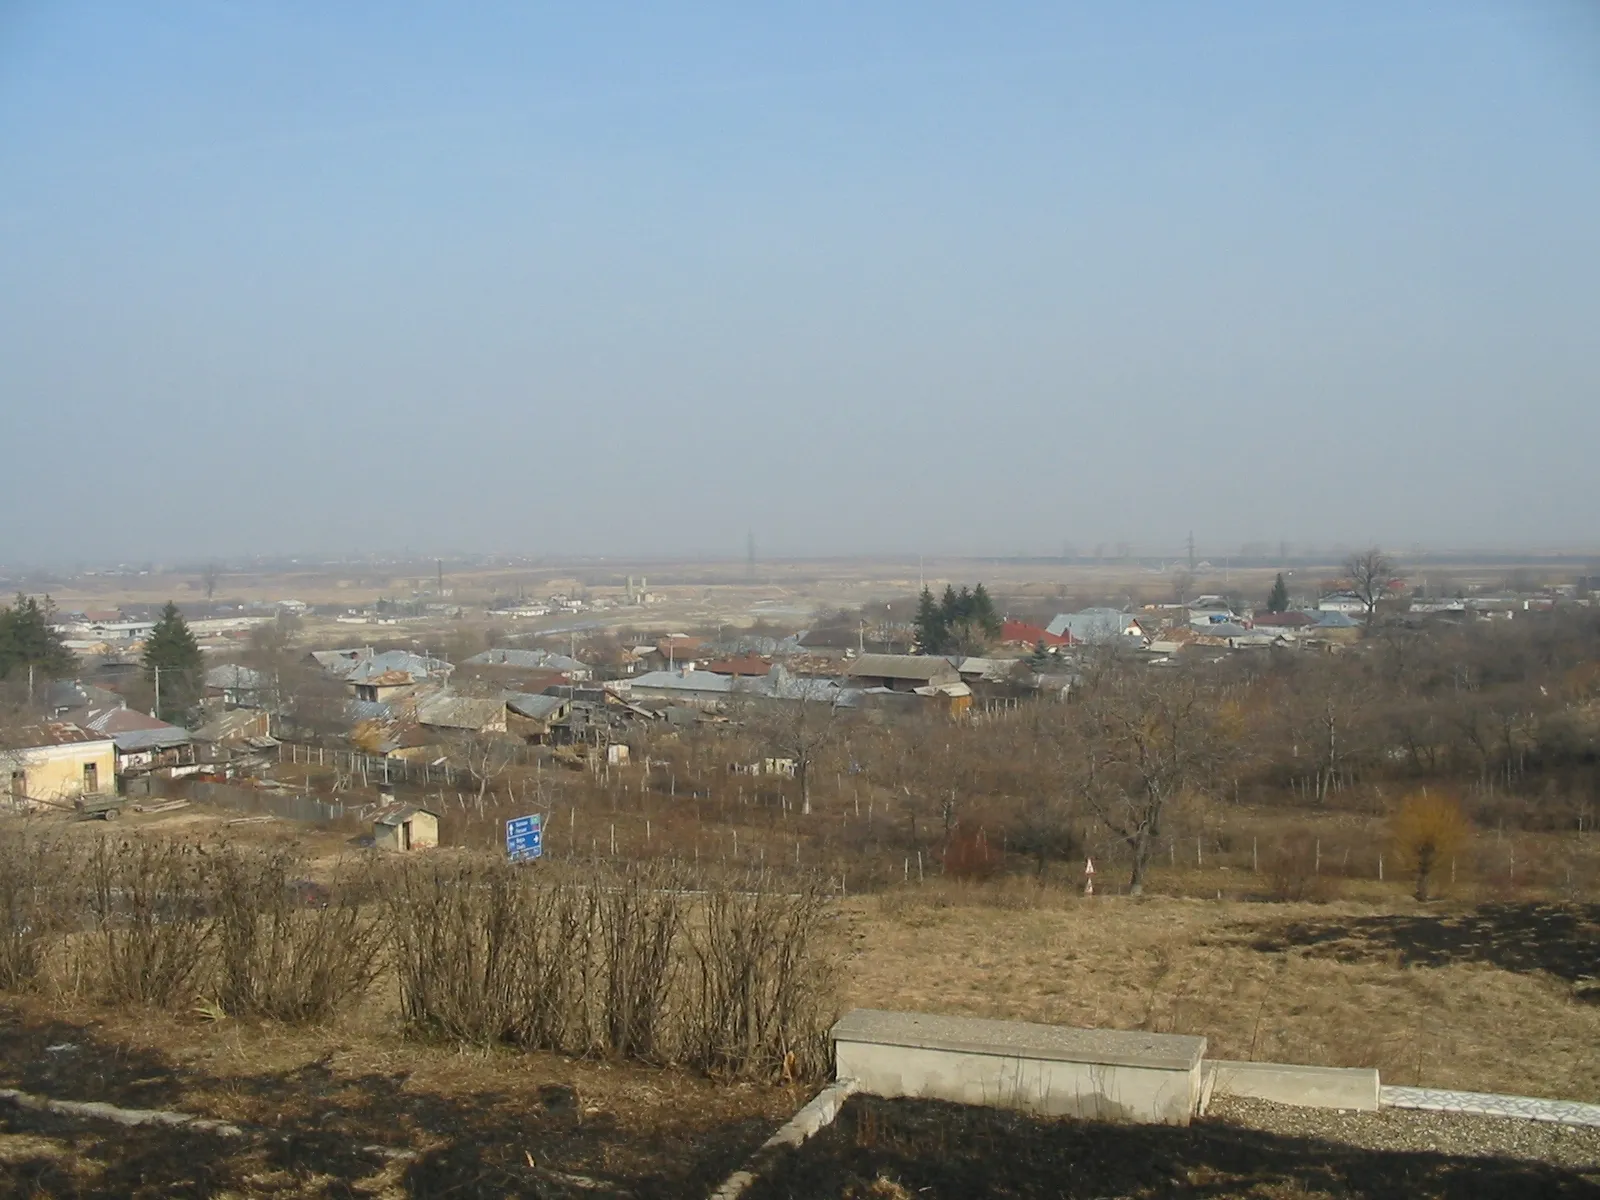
{"x":99,"y":807}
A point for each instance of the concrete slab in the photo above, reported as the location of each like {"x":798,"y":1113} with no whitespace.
{"x":1098,"y":1074}
{"x":1489,"y":1104}
{"x":1307,"y":1087}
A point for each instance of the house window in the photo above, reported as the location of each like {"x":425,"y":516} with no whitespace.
{"x":91,"y":777}
{"x":19,"y":784}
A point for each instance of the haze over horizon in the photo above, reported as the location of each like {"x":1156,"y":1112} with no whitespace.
{"x":920,"y":278}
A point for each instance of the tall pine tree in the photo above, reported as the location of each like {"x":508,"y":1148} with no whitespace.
{"x":27,"y":641}
{"x":983,"y":614}
{"x":930,"y":624}
{"x":1278,"y":597}
{"x":172,"y":663}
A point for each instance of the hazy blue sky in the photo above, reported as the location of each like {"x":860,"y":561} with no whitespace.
{"x":885,"y":277}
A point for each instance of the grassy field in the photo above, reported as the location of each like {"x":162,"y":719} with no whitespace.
{"x":1497,"y":997}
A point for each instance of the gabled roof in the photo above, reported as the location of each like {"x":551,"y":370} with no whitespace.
{"x":134,"y":731}
{"x":1092,"y":624}
{"x":363,"y":666}
{"x":534,"y":707}
{"x":749,"y":664}
{"x":1293,"y":619}
{"x":53,"y":733}
{"x":399,"y":814}
{"x":446,"y":711}
{"x":231,"y":726}
{"x":925,"y":667}
{"x":530,"y":660}
{"x":684,"y":681}
{"x":1021,"y":632}
{"x":234,"y":677}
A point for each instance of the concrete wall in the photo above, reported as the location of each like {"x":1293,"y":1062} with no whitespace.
{"x":1306,"y":1087}
{"x":1050,"y":1087}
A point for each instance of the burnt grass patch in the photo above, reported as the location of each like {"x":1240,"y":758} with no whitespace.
{"x":1559,"y":940}
{"x":318,"y":1132}
{"x":897,"y":1149}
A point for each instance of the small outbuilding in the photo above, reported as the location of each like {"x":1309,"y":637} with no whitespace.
{"x":404,"y":827}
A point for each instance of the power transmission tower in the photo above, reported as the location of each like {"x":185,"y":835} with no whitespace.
{"x":750,"y":554}
{"x":1191,"y":550}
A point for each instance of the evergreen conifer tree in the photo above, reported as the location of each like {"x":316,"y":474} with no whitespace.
{"x":172,"y":662}
{"x":983,"y":614}
{"x":1039,"y":659}
{"x":930,"y":625}
{"x":26,"y":640}
{"x":1278,"y":597}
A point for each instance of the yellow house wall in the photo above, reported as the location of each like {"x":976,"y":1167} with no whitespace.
{"x":56,"y":772}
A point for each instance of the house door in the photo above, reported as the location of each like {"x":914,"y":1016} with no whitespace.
{"x":19,"y":785}
{"x":405,"y":835}
{"x":91,"y":777}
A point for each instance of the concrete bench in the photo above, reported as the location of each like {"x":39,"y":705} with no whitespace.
{"x":1306,"y":1087}
{"x":1096,"y":1074}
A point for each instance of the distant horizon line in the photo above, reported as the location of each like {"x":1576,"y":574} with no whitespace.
{"x":458,"y":559}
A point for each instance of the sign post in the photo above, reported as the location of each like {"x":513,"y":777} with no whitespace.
{"x":525,"y":838}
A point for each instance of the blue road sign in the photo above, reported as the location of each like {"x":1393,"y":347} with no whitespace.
{"x":525,"y":838}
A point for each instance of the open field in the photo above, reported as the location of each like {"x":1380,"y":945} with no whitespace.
{"x":1494,"y":996}
{"x":1499,"y":998}
{"x":697,"y":591}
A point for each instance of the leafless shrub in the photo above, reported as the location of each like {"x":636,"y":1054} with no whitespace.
{"x":36,"y":879}
{"x":457,"y":928}
{"x":1292,"y":870}
{"x":762,"y":995}
{"x":627,"y":963}
{"x":641,"y":914}
{"x":286,"y":952}
{"x":152,"y":928}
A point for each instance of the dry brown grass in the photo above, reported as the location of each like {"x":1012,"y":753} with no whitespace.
{"x":1186,"y":966}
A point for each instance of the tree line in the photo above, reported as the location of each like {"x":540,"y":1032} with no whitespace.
{"x":959,"y":622}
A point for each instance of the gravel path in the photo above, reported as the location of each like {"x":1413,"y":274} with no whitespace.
{"x":1574,"y":1147}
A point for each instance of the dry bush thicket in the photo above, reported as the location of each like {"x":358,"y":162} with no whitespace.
{"x":728,"y":976}
{"x":35,"y":877}
{"x":279,"y":956}
{"x":645,"y":961}
{"x":151,"y":933}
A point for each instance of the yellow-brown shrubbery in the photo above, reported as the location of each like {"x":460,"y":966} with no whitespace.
{"x":1428,"y":828}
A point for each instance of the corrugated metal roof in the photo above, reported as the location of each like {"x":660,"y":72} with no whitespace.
{"x":133,"y":741}
{"x":684,"y":681}
{"x":53,"y":733}
{"x":417,"y":666}
{"x":533,"y":706}
{"x":233,"y":676}
{"x":529,"y":660}
{"x":1091,"y":625}
{"x":901,"y":666}
{"x":445,"y":711}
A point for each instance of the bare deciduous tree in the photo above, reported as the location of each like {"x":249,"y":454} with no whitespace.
{"x":209,"y":578}
{"x":1144,"y":738}
{"x":486,"y":755}
{"x":1370,"y":574}
{"x":793,"y":718}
